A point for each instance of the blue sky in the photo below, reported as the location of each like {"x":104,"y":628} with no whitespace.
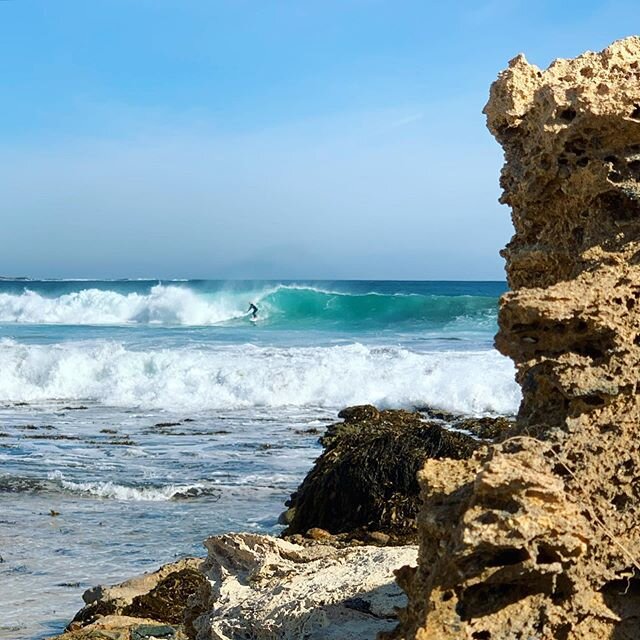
{"x":263,"y":138}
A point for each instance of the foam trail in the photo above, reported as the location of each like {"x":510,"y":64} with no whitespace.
{"x":244,"y":376}
{"x":114,"y":491}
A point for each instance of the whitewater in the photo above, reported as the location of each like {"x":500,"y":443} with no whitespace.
{"x":158,"y":412}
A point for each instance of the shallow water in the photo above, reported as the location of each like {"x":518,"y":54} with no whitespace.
{"x":130,"y":500}
{"x":149,"y":416}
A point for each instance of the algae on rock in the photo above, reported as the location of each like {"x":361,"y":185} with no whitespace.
{"x":365,"y":480}
{"x":538,"y":537}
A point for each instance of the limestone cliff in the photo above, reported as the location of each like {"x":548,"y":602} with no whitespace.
{"x":536,"y":538}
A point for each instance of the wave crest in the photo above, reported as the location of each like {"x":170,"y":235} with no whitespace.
{"x":280,"y":305}
{"x":108,"y":490}
{"x":162,"y":305}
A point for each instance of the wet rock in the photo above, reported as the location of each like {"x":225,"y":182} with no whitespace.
{"x":44,"y":436}
{"x":359,"y":413}
{"x":117,"y":627}
{"x":366,"y":478}
{"x":494,"y":429}
{"x":286,"y":517}
{"x":160,"y":596}
{"x":146,"y":631}
{"x":167,"y":601}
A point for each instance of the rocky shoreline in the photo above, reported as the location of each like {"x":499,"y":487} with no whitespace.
{"x":525,"y":530}
{"x":351,"y":525}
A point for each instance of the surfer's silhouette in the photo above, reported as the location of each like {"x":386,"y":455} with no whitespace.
{"x":254,"y":311}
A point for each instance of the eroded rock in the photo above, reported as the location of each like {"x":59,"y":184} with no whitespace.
{"x":537,"y":537}
{"x":265,"y":588}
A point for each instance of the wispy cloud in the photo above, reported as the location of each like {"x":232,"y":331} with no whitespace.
{"x":410,"y":119}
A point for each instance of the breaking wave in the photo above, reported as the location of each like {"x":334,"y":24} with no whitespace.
{"x":244,"y":376}
{"x":280,"y":305}
{"x":56,"y":483}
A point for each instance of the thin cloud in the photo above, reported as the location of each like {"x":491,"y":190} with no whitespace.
{"x":403,"y":122}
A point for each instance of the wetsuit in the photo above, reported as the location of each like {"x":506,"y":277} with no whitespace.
{"x":254,"y":310}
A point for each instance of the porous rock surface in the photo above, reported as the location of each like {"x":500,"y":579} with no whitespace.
{"x":537,"y":537}
{"x":265,"y":588}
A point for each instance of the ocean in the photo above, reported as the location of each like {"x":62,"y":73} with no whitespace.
{"x":138,"y":417}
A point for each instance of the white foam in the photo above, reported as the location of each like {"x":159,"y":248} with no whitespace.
{"x":111,"y":490}
{"x":245,"y":376}
{"x":162,"y":305}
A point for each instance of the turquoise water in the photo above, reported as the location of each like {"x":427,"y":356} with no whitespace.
{"x":151,"y":414}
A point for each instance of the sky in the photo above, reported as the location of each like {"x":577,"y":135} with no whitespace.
{"x":265,"y":138}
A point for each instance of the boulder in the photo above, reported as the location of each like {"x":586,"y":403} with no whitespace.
{"x":161,"y":596}
{"x":365,"y":480}
{"x":265,"y":588}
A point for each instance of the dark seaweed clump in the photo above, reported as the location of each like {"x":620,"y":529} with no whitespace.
{"x":365,"y":480}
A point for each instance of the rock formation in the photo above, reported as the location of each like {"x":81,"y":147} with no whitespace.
{"x":365,"y":482}
{"x":253,"y":586}
{"x":265,"y":588}
{"x":537,"y":537}
{"x":155,"y":602}
{"x":337,"y":583}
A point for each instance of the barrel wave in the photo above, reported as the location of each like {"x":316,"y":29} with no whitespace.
{"x":279,"y":306}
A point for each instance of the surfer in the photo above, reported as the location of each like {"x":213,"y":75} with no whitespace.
{"x":254,"y":311}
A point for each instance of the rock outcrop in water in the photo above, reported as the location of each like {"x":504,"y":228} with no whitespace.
{"x":363,"y":489}
{"x":364,"y":486}
{"x":538,"y":537}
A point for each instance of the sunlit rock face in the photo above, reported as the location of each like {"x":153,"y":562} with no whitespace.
{"x":536,"y":537}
